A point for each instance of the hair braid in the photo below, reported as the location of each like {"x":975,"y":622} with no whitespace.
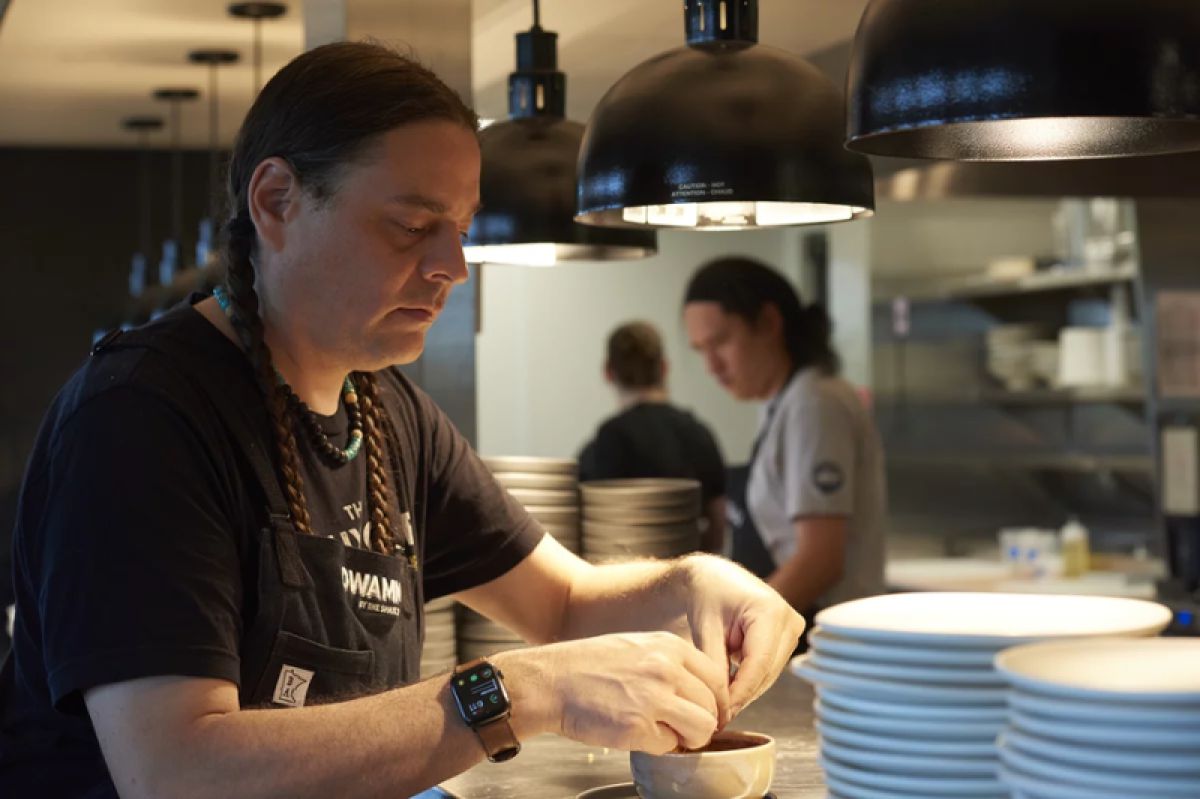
{"x":376,"y":452}
{"x":239,"y":280}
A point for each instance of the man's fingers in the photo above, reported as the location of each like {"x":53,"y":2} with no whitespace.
{"x":763,"y":656}
{"x":709,"y":661}
{"x":693,"y":725}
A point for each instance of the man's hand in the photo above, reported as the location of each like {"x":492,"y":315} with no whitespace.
{"x":651,"y":692}
{"x":734,"y":616}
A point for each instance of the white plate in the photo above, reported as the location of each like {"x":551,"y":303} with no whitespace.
{"x":897,"y":691}
{"x":982,"y":732}
{"x":910,"y":765}
{"x":1105,"y":714}
{"x":1106,"y":759}
{"x":978,"y":619}
{"x":522,"y":463}
{"x":937,"y":675}
{"x":1132,"y":736}
{"x":1161,"y":670}
{"x":903,"y":744}
{"x":909,"y":711}
{"x":1135,"y":786}
{"x":1027,"y":786}
{"x":550,"y":482}
{"x":924,"y":655}
{"x":840,"y":789}
{"x":958,"y":787}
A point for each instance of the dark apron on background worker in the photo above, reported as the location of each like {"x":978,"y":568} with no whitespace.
{"x":749,"y":548}
{"x":329,"y":621}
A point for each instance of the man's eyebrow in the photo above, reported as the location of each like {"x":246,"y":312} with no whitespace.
{"x":428,"y":203}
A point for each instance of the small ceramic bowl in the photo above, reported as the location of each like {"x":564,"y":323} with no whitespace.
{"x":736,"y":765}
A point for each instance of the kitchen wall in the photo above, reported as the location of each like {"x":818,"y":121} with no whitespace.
{"x":540,"y":354}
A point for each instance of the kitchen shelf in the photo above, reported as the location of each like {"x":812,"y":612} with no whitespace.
{"x":1058,"y":279}
{"x":1032,"y":397}
{"x":1059,"y":462}
{"x":1065,"y":396}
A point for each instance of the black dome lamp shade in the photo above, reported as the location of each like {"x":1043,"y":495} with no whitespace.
{"x":721,"y":134}
{"x":527,"y":185}
{"x":1017,"y":80}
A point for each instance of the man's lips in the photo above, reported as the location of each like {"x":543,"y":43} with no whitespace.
{"x":419,"y":313}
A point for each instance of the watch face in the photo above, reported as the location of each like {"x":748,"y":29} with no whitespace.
{"x":480,"y":694}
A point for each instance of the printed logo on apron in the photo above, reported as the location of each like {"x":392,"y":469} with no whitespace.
{"x":291,"y":689}
{"x":372,"y":593}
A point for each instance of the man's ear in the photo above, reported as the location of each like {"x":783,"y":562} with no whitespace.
{"x":273,"y":198}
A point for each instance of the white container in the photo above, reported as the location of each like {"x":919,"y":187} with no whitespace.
{"x":1082,"y":357}
{"x":1116,"y":351}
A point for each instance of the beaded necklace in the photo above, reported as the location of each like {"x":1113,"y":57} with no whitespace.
{"x":312,"y":424}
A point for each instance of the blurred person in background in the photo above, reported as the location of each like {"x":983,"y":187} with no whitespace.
{"x":650,"y":437}
{"x":807,"y":512}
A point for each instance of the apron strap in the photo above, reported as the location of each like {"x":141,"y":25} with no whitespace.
{"x":280,"y":527}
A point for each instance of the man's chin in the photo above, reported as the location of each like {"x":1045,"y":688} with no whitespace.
{"x":399,"y":351}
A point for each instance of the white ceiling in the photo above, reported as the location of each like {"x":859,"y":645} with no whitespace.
{"x":71,"y":70}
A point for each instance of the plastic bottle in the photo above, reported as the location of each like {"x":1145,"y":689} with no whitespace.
{"x":1076,"y":552}
{"x":1116,"y":354}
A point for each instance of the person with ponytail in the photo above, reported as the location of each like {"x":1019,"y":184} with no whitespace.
{"x":807,"y":512}
{"x":234,"y":515}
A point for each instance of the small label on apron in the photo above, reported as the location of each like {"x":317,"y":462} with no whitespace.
{"x":291,"y":689}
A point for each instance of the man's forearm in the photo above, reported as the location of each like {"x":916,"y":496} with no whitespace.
{"x":392,"y":744}
{"x":627,"y":597}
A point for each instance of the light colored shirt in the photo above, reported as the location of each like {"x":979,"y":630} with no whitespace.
{"x":821,"y":456}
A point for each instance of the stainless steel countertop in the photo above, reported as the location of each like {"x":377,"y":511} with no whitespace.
{"x":556,"y":768}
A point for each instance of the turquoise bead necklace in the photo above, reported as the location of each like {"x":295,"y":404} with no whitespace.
{"x":312,"y":424}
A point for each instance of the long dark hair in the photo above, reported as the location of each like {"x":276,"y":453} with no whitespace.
{"x":744,"y":287}
{"x":319,"y":114}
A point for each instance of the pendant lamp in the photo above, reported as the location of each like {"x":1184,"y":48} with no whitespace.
{"x":213,"y":59}
{"x":721,"y":134}
{"x":1018,"y":80}
{"x":257,"y":12}
{"x":527,"y":184}
{"x":175,"y":97}
{"x":143,"y":126}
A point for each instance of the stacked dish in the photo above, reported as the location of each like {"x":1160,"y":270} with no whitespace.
{"x":549,"y":490}
{"x":1108,"y":719}
{"x":908,"y":701}
{"x":440,"y":652}
{"x":639,"y":518}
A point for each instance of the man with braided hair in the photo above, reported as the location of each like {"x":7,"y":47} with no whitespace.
{"x":233,"y":515}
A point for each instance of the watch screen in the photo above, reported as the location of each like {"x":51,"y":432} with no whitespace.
{"x":479,"y":694}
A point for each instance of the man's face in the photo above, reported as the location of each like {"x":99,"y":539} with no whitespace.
{"x":733,"y":349}
{"x":365,"y":272}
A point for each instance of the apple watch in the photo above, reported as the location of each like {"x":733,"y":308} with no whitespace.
{"x":478,"y":691}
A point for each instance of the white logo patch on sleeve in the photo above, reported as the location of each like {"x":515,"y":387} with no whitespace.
{"x":291,"y":689}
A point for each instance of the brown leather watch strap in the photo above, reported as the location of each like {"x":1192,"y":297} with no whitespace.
{"x":498,"y":739}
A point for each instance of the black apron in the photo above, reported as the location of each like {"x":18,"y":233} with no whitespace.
{"x":749,"y":548}
{"x":325,"y":621}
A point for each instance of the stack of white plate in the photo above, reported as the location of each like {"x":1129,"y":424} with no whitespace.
{"x":549,"y":490}
{"x":640,"y":518}
{"x":908,"y":701}
{"x":1110,"y":719}
{"x":439,"y":653}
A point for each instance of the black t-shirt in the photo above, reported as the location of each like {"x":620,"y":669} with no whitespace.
{"x":134,"y":549}
{"x":655,"y":439}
